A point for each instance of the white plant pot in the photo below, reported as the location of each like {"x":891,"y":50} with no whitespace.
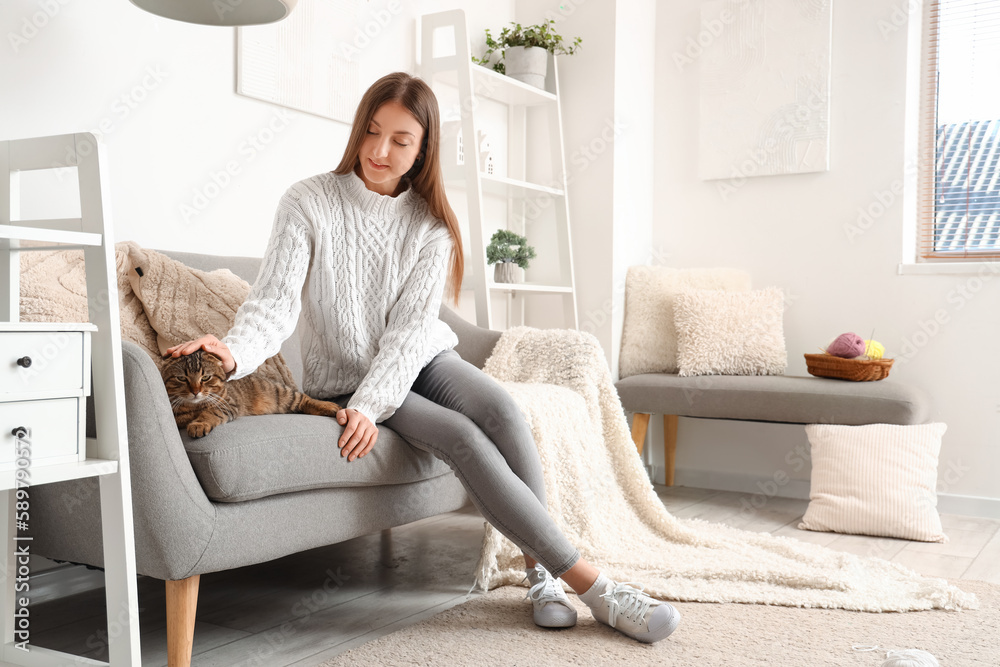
{"x":506,"y":272}
{"x":527,"y":63}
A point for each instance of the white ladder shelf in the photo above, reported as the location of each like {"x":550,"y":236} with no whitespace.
{"x":107,"y":455}
{"x":474,"y":84}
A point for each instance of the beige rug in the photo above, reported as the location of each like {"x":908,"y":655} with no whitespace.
{"x":496,"y":629}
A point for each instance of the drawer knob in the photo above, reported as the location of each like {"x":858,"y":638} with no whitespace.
{"x":24,"y":362}
{"x":19,"y":432}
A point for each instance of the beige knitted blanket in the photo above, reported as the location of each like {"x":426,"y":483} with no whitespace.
{"x":168,"y":303}
{"x":600,"y":497}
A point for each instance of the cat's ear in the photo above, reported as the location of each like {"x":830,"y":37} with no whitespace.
{"x":212,"y":354}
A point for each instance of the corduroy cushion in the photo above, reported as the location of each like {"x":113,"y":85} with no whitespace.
{"x":730,"y":333}
{"x":258,"y":456}
{"x":878,"y":479}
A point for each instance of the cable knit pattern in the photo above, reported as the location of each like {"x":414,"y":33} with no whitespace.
{"x":362,"y":275}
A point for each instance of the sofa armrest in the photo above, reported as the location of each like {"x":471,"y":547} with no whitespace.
{"x":174,"y":519}
{"x":475,"y":344}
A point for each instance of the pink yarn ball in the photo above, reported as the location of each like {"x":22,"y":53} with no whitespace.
{"x":848,"y":346}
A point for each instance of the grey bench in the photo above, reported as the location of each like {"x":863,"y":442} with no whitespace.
{"x":764,"y":398}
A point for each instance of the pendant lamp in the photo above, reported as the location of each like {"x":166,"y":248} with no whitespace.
{"x":220,"y":12}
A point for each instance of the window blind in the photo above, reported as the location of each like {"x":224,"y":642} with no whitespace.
{"x":959,"y":202}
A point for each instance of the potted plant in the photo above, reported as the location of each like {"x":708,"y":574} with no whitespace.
{"x":507,"y":249}
{"x":523,"y":51}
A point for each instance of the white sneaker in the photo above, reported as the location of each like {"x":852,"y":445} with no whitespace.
{"x":634,"y":613}
{"x":552,"y":608}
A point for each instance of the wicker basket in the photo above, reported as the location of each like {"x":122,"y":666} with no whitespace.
{"x":856,"y":370}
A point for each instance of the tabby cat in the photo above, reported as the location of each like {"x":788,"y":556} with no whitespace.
{"x":202,"y":399}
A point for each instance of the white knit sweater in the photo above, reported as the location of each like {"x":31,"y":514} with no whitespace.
{"x":366,"y":272}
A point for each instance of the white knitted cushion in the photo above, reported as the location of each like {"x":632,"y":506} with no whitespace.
{"x":730,"y":333}
{"x":877,"y":479}
{"x":649,"y":337}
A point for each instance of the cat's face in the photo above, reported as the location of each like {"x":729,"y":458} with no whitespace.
{"x":195,"y":377}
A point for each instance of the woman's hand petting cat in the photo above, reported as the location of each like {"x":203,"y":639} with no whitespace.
{"x":210,"y":344}
{"x":359,"y":434}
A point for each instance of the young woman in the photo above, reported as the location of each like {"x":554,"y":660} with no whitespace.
{"x":364,"y":253}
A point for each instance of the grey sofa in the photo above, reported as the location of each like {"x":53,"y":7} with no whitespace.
{"x":780,"y":399}
{"x":257,"y":489}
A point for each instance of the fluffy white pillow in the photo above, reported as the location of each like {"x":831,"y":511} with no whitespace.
{"x":878,"y":479}
{"x":649,"y":337}
{"x":730,"y":333}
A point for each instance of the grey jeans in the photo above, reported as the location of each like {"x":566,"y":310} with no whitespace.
{"x":465,"y":418}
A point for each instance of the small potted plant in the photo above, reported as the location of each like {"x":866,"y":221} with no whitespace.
{"x":523,"y":51}
{"x":507,"y":249}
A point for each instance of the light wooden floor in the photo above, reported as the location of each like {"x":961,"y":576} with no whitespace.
{"x":307,"y":608}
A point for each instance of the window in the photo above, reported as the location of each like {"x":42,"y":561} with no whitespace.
{"x":959,"y":202}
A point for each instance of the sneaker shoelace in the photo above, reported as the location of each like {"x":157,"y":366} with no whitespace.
{"x":546,"y":590}
{"x":626,"y":600}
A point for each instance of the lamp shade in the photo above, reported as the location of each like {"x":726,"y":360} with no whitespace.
{"x":220,"y":12}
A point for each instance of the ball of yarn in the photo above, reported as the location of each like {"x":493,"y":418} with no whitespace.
{"x":911,"y":657}
{"x":874,"y":349}
{"x":847,"y":345}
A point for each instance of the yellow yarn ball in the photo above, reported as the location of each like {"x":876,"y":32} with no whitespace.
{"x":874,"y":349}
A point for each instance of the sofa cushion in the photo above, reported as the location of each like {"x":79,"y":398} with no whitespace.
{"x":649,"y":335}
{"x":184,"y":303}
{"x":774,"y":398}
{"x":878,"y":479}
{"x":730,"y":333}
{"x":258,"y":456}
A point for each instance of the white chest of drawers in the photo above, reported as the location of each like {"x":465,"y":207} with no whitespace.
{"x":44,"y":384}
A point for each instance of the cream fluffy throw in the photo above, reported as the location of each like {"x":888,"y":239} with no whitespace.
{"x":600,"y":497}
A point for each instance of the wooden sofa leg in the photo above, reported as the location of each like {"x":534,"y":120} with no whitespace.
{"x":639,"y":423}
{"x":182,"y":602}
{"x":669,"y":446}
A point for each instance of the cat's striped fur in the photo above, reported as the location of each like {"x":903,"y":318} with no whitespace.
{"x":202,"y":399}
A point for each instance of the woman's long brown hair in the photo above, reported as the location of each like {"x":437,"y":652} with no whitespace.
{"x":425,"y":176}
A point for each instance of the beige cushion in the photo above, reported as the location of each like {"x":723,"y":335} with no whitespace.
{"x":730,"y":333}
{"x":184,"y":303}
{"x":649,"y":337}
{"x":878,"y":479}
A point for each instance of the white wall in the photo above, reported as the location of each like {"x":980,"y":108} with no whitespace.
{"x":635,"y":163}
{"x":608,"y":123}
{"x":792,"y":231}
{"x":588,"y":107}
{"x":162,"y":95}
